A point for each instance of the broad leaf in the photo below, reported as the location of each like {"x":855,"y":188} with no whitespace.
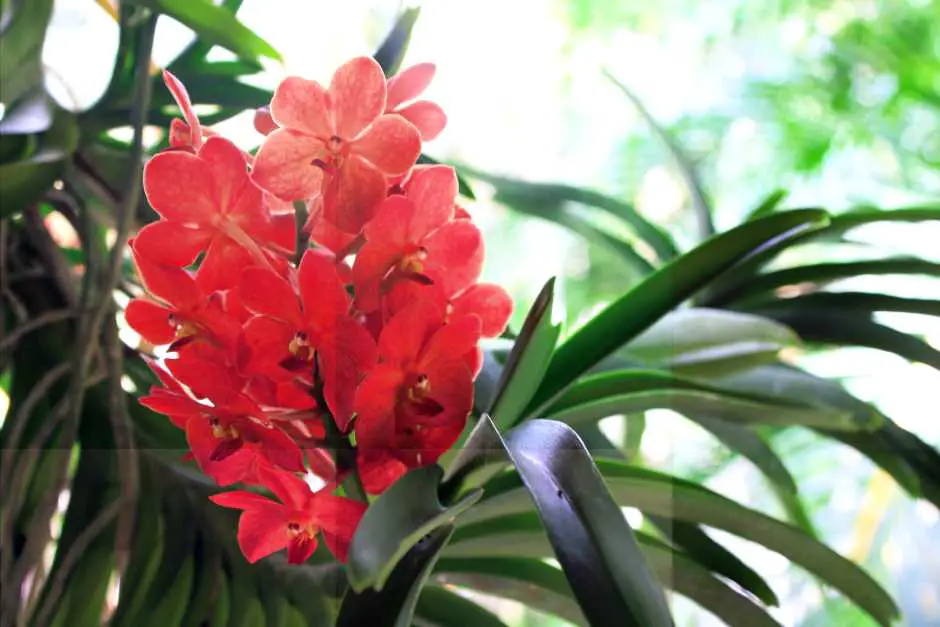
{"x":397,"y":521}
{"x":394,"y":604}
{"x":850,"y":301}
{"x":21,"y":43}
{"x":659,"y":294}
{"x":591,"y":538}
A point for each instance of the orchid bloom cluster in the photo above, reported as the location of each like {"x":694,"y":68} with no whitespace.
{"x":350,"y":346}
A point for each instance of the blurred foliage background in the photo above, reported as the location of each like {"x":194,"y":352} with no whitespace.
{"x":834,"y":104}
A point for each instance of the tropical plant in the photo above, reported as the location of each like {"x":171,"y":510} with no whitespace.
{"x":102,"y":521}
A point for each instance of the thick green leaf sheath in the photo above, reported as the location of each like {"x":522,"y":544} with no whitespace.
{"x":397,"y":521}
{"x":662,"y":292}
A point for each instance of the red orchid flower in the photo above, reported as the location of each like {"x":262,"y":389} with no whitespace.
{"x":413,"y":405}
{"x":403,"y":91}
{"x":291,"y":332}
{"x":414,"y":239}
{"x":185,"y":311}
{"x":267,"y":526}
{"x":226,"y":440}
{"x":208,"y":203}
{"x":336,"y":142}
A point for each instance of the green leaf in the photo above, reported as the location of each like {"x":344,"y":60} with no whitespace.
{"x":687,"y":171}
{"x":669,"y":497}
{"x":528,"y":360}
{"x":548,"y":200}
{"x":215,"y":25}
{"x":660,"y":293}
{"x":850,"y":301}
{"x":623,"y":249}
{"x":501,"y":576}
{"x":24,"y":182}
{"x":392,"y":51}
{"x":21,"y":49}
{"x":591,"y":538}
{"x":700,"y":547}
{"x":531,"y":582}
{"x":867,"y":215}
{"x":394,"y":605}
{"x":629,"y":391}
{"x":768,"y":204}
{"x":690,"y":340}
{"x":819,"y":273}
{"x":397,"y":521}
{"x":850,"y":329}
{"x":753,"y":447}
{"x":438,"y":607}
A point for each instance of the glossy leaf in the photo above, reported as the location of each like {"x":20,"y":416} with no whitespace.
{"x":397,"y":521}
{"x":394,"y":605}
{"x":591,"y":538}
{"x":659,"y":294}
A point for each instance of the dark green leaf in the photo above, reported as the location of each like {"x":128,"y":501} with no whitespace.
{"x":398,"y":520}
{"x":851,"y":329}
{"x":591,"y":538}
{"x":392,"y":51}
{"x":628,"y":391}
{"x":532,"y":582}
{"x":753,"y":447}
{"x":438,"y":607}
{"x":660,"y":293}
{"x":528,"y":360}
{"x":820,"y":273}
{"x":850,"y":301}
{"x":394,"y":605}
{"x":700,"y":547}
